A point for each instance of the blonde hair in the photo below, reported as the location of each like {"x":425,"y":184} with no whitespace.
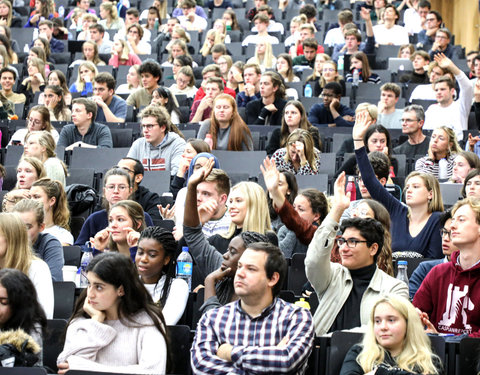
{"x":79,"y":83}
{"x":19,"y":254}
{"x":111,"y":9}
{"x":268,"y":58}
{"x":54,"y":189}
{"x":125,"y":50}
{"x":454,"y":148}
{"x":431,"y":183}
{"x":257,"y":218}
{"x":372,"y":109}
{"x":416,"y":355}
{"x":305,"y":137}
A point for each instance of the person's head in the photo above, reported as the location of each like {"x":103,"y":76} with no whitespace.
{"x":252,"y":73}
{"x":45,"y":27}
{"x":422,"y":8}
{"x":230,"y":19}
{"x":108,"y":10}
{"x":236,"y":69}
{"x":395,"y":327}
{"x":476,"y":65}
{"x":178,"y":48}
{"x":332,"y":90}
{"x":155,"y":122}
{"x":446,"y":232}
{"x":8,"y":77}
{"x":261,"y":22}
{"x":294,"y":116}
{"x":471,"y":185}
{"x":353,"y":38}
{"x":413,"y":118}
{"x":309,"y":11}
{"x":132,"y":16}
{"x":444,"y":90}
{"x":134,"y":168}
{"x":188,"y":6}
{"x":224,"y":109}
{"x":465,"y":226}
{"x":153,"y":17}
{"x":6,"y":11}
{"x":216,"y":187}
{"x":122,"y":216}
{"x":117,"y":186}
{"x":310,"y":46}
{"x":162,"y":96}
{"x":52,"y":195}
{"x":36,"y":65}
{"x":463,"y":163}
{"x":214,"y":87}
{"x":54,"y":98}
{"x":44,"y":45}
{"x":292,"y":155}
{"x":104,"y":86}
{"x":420,"y":59}
{"x":90,"y":51}
{"x":181,"y":61}
{"x":120,"y":46}
{"x":19,"y":307}
{"x":381,"y":167}
{"x":329,"y":72}
{"x":151,"y":73}
{"x":433,"y":20}
{"x":377,"y":138}
{"x":135,"y":31}
{"x":435,"y":71}
{"x":84,"y":111}
{"x":311,"y":205}
{"x":470,"y":60}
{"x":40,"y":145}
{"x":344,"y":16}
{"x":36,"y":52}
{"x":200,"y":160}
{"x":284,"y":66}
{"x":32,"y":214}
{"x":361,"y":242}
{"x":390,"y":14}
{"x":271,"y":85}
{"x":193,"y":147}
{"x":443,"y":142}
{"x":296,"y":22}
{"x":443,"y":37}
{"x":406,"y":51}
{"x":185,"y":78}
{"x":171,"y":24}
{"x":423,"y":189}
{"x":155,"y":257}
{"x":389,"y":94}
{"x":179,"y":32}
{"x":4,"y":58}
{"x":370,"y":109}
{"x":38,"y":118}
{"x":57,"y":77}
{"x":133,"y":77}
{"x":86,"y":73}
{"x":29,"y":170}
{"x":15,"y":249}
{"x":225,"y":62}
{"x":359,"y":61}
{"x":261,"y":272}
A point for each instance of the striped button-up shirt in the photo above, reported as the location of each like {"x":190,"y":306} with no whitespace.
{"x":254,"y":340}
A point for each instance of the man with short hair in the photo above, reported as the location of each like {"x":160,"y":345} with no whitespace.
{"x":273,"y":27}
{"x":412,"y":122}
{"x":414,"y":18}
{"x":45,"y":30}
{"x":347,"y":290}
{"x":426,"y":37}
{"x":309,"y":47}
{"x":335,"y":35}
{"x":388,"y":115}
{"x":251,"y":85}
{"x":202,"y":109}
{"x":160,"y":148}
{"x":420,"y":61}
{"x":261,"y":22}
{"x":190,"y":20}
{"x":97,"y":34}
{"x":217,"y":51}
{"x":448,"y":296}
{"x":470,"y":62}
{"x":259,"y":333}
{"x":331,"y":112}
{"x":211,"y":70}
{"x":448,"y":248}
{"x":150,"y":73}
{"x":149,"y":200}
{"x":310,"y":11}
{"x":442,"y":44}
{"x":449,"y":112}
{"x":8,"y":76}
{"x":389,"y":32}
{"x":84,"y":132}
{"x":111,"y":108}
{"x":306,"y":31}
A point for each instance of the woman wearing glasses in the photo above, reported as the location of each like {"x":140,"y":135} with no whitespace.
{"x":117,"y":187}
{"x":38,"y":119}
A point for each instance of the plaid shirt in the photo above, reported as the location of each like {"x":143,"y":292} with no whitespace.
{"x":254,"y":340}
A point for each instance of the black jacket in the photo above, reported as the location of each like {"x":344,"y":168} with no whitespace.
{"x":257,"y":114}
{"x":149,"y":201}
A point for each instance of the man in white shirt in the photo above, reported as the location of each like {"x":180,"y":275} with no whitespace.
{"x":427,"y":92}
{"x":389,"y":32}
{"x":273,"y":27}
{"x":190,"y":20}
{"x":448,"y":112}
{"x":335,"y":36}
{"x":414,"y":18}
{"x":388,"y":115}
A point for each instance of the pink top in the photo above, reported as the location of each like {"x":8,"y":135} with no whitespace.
{"x":132,"y":60}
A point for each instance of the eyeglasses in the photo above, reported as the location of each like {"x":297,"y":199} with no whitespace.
{"x":118,"y":187}
{"x":444,"y":232}
{"x":125,"y":169}
{"x":441,"y":37}
{"x":430,"y":19}
{"x":34,"y":121}
{"x":351,"y":242}
{"x":148,"y":127}
{"x":408,"y":120}
{"x":327,"y":96}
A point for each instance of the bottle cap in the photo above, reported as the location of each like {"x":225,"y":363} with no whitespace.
{"x":185,"y":248}
{"x":402,"y":262}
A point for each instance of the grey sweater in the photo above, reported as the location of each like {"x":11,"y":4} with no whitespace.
{"x":222,"y":137}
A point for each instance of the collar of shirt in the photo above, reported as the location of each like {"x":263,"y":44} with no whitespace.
{"x":265,"y":312}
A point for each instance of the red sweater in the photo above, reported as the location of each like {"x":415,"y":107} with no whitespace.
{"x":451,"y":298}
{"x":132,"y":60}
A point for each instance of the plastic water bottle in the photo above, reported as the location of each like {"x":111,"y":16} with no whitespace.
{"x":61,"y":11}
{"x":356,"y":77}
{"x":185,"y":267}
{"x":308,"y":91}
{"x":402,"y":271}
{"x":209,"y":140}
{"x":26,"y":48}
{"x":35,"y":33}
{"x":442,"y":170}
{"x":341,"y":63}
{"x":351,"y":188}
{"x":86,"y":259}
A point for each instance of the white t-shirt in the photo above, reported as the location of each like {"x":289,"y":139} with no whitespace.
{"x":41,"y":278}
{"x":61,"y":234}
{"x":396,"y":35}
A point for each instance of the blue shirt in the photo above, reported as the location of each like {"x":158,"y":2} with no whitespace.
{"x":118,"y":106}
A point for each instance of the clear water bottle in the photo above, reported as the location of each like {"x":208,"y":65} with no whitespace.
{"x":356,"y":77}
{"x":341,"y":63}
{"x":351,"y":188}
{"x":308,"y":91}
{"x":35,"y":33}
{"x":61,"y":11}
{"x":402,"y":274}
{"x":185,"y":267}
{"x":209,"y":140}
{"x":26,"y":48}
{"x":86,"y":259}
{"x":442,"y":170}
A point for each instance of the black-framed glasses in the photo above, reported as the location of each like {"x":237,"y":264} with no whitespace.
{"x":351,"y":242}
{"x":444,"y":232}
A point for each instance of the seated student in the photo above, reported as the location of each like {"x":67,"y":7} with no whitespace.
{"x":135,"y":42}
{"x":46,"y":246}
{"x":273,"y":26}
{"x":8,"y":76}
{"x":389,"y":32}
{"x":394,"y":339}
{"x":161,"y":147}
{"x":90,"y":54}
{"x":443,"y":145}
{"x":163,"y":97}
{"x":121,"y":55}
{"x":151,"y":74}
{"x":427,"y":92}
{"x":263,"y":56}
{"x":84,"y":83}
{"x":331,"y":111}
{"x":185,"y":83}
{"x":294,"y":117}
{"x":97,"y":36}
{"x":299,"y":156}
{"x":420,"y":61}
{"x":261,"y":22}
{"x":115,"y":325}
{"x":388,"y":115}
{"x":110,"y":107}
{"x":117,"y":186}
{"x":464,"y":162}
{"x":422,"y":270}
{"x":23,"y":310}
{"x":55,"y":205}
{"x":327,"y":73}
{"x":335,"y":34}
{"x":419,"y":231}
{"x":442,"y":45}
{"x":226,"y":127}
{"x":412,"y":122}
{"x":201,"y":109}
{"x":450,"y":287}
{"x":249,"y":86}
{"x":18,"y":254}
{"x":190,"y":20}
{"x":84,"y":132}
{"x":35,"y":82}
{"x":359,"y":62}
{"x":110,"y":19}
{"x":125,"y":220}
{"x":252,"y":12}
{"x":306,"y":31}
{"x":346,"y":291}
{"x":269,"y":109}
{"x":133,"y":81}
{"x":307,"y":59}
{"x":55,"y":102}
{"x":210,"y":71}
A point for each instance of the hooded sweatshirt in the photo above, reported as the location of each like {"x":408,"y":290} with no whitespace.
{"x":165,"y":156}
{"x":450,"y":296}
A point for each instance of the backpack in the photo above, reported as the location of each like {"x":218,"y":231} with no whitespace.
{"x":81,"y":198}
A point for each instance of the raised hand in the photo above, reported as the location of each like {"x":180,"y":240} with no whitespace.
{"x":202,"y":173}
{"x":206,"y":210}
{"x":472,"y":141}
{"x":271,"y":176}
{"x":362,"y":123}
{"x":443,"y":61}
{"x":341,"y":199}
{"x":167,"y":213}
{"x":100,"y":241}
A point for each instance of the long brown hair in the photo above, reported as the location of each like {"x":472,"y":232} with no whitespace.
{"x":304,"y":123}
{"x":239,"y":131}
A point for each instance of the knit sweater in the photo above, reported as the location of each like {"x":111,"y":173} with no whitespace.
{"x":115,"y":346}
